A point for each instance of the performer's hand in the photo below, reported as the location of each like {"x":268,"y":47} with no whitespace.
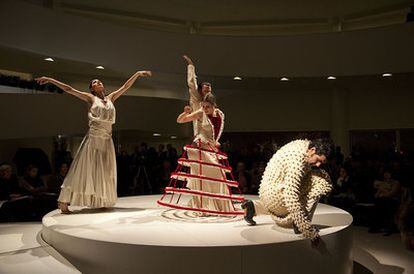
{"x":315,"y":241}
{"x":188,"y":60}
{"x":187,"y":109}
{"x":43,"y":80}
{"x":145,"y":73}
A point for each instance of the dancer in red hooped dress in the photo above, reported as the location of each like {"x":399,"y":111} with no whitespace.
{"x":209,"y":180}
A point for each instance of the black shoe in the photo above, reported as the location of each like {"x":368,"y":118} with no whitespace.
{"x":296,"y":229}
{"x":248,"y":206}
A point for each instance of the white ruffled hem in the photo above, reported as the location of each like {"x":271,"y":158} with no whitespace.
{"x":82,"y":199}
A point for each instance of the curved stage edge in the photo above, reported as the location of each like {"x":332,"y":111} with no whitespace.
{"x":137,"y":236}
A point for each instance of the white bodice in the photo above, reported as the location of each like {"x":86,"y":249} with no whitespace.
{"x":101,"y":116}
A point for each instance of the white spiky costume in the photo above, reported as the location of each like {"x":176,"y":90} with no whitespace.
{"x":290,"y":188}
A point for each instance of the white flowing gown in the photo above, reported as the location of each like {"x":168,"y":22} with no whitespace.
{"x":91,"y":180}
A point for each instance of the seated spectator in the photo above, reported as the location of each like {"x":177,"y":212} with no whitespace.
{"x":9,"y":187}
{"x":387,"y":200}
{"x":14,"y":205}
{"x":33,"y":185}
{"x":343,"y":195}
{"x":31,"y":182}
{"x":56,"y":180}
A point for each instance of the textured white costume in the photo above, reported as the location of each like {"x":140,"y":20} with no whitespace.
{"x":91,"y":180}
{"x":290,"y":188}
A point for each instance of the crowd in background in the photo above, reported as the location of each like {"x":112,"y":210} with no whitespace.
{"x":18,"y":82}
{"x":376,"y":189}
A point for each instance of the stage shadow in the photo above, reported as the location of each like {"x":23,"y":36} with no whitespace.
{"x":360,"y":269}
{"x":192,"y":217}
{"x":106,"y":210}
{"x":367,"y":263}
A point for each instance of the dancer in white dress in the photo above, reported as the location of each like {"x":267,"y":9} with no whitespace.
{"x":91,"y":180}
{"x":206,"y":180}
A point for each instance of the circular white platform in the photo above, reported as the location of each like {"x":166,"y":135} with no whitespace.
{"x":137,"y":236}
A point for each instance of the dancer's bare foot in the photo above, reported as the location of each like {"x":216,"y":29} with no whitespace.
{"x":64,"y":208}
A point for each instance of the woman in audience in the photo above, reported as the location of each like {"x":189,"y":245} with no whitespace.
{"x":14,"y":205}
{"x":387,"y":199}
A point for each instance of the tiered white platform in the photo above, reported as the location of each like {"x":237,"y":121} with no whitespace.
{"x":140,"y":237}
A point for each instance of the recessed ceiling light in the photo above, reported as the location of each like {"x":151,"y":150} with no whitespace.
{"x":331,"y":78}
{"x":156,"y":134}
{"x":284,"y":79}
{"x":237,"y":78}
{"x":386,"y":75}
{"x":100,"y":67}
{"x":173,"y":137}
{"x":49,"y":59}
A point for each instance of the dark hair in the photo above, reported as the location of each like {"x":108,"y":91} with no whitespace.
{"x":200,"y":85}
{"x":210,"y":98}
{"x":30,"y":167}
{"x":90,"y":86}
{"x":322,"y":146}
{"x":63,"y":163}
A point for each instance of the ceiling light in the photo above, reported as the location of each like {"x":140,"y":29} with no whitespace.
{"x":173,"y":137}
{"x":100,"y":67}
{"x":156,"y":134}
{"x":237,"y":78}
{"x":284,"y":79}
{"x":49,"y":59}
{"x":386,"y":75}
{"x":331,"y":78}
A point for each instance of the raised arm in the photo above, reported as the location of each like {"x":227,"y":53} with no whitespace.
{"x":85,"y":96}
{"x":116,"y":94}
{"x":195,"y":97}
{"x":188,"y":116}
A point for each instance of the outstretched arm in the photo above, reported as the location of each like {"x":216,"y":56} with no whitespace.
{"x":116,"y":94}
{"x":188,"y":116}
{"x":85,"y":96}
{"x":195,"y":97}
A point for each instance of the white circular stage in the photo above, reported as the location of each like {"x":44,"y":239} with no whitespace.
{"x":137,"y":236}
